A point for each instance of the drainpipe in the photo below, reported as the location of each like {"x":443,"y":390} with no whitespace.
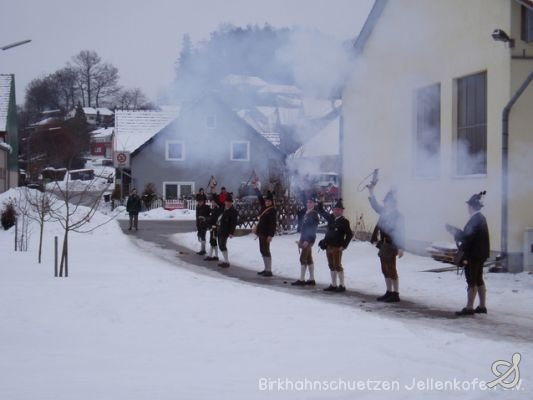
{"x":505,"y":168}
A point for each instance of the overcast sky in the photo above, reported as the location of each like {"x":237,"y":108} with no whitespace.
{"x":143,"y":38}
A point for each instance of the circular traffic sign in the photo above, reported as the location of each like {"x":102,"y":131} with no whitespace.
{"x":122,"y":158}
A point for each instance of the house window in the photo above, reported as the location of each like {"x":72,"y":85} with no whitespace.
{"x":240,"y":151}
{"x":427,"y":139}
{"x":526,"y":33}
{"x":211,"y":122}
{"x":472,"y":124}
{"x":177,"y":190}
{"x":175,"y":151}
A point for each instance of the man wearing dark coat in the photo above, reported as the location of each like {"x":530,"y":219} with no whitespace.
{"x":307,"y":226}
{"x":388,"y":236}
{"x":474,"y":244}
{"x":226,"y":224}
{"x":202,"y":217}
{"x":216,"y":210}
{"x":133,"y":208}
{"x":266,"y":229}
{"x":337,"y":239}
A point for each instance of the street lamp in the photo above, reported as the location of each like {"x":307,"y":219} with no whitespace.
{"x":9,"y":46}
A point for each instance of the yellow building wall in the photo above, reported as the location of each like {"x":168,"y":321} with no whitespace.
{"x":414,"y":44}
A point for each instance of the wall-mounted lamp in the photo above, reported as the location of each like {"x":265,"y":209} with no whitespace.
{"x":500,"y":36}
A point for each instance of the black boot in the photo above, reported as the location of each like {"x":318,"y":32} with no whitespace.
{"x":331,"y":288}
{"x":384,"y":297}
{"x":298,"y":283}
{"x":465,"y":311}
{"x":393,"y":298}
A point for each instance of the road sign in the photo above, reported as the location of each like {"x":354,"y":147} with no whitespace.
{"x":121,"y":159}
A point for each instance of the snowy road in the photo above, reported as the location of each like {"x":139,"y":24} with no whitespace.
{"x":494,"y":326}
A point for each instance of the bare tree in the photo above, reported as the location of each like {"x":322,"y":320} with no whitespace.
{"x":80,"y":201}
{"x":40,"y":96}
{"x":132,"y":99}
{"x":66,"y":87}
{"x":105,"y":82}
{"x":42,"y":205}
{"x":86,"y":63}
{"x":23,"y":209}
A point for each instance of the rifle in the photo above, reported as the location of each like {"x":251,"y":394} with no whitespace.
{"x":373,"y":182}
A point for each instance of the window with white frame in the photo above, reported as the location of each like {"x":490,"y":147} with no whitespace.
{"x":471,"y":145}
{"x":211,"y":122}
{"x":175,"y":150}
{"x":240,"y":151}
{"x":177,"y":190}
{"x":427,"y":133}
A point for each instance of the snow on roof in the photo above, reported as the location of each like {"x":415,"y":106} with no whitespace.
{"x":272,"y":137}
{"x":46,"y":121}
{"x":94,"y":111}
{"x":134,"y":128}
{"x":50,"y":111}
{"x":261,"y":125}
{"x":6,"y":146}
{"x":102,"y":132}
{"x":233,"y":79}
{"x":324,"y":143}
{"x":317,"y":108}
{"x":280,"y":89}
{"x":283,"y":115}
{"x":5,"y":91}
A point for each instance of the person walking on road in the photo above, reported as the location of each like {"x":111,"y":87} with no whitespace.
{"x":133,"y":208}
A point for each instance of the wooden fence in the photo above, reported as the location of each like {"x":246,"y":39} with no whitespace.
{"x":287,"y":214}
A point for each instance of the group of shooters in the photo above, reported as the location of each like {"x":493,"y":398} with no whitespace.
{"x":388,"y":236}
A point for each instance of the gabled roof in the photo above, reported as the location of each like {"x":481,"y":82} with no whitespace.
{"x":134,"y":128}
{"x":5,"y":93}
{"x":368,"y":27}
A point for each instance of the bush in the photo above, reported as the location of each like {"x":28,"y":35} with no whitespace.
{"x":115,"y":195}
{"x":9,"y":216}
{"x":149,"y":194}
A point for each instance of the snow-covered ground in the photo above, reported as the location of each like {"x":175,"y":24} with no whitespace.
{"x":129,"y":324}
